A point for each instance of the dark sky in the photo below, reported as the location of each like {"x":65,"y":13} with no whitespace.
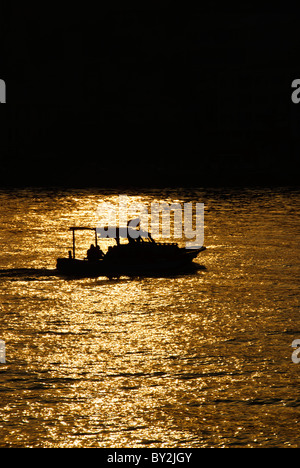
{"x":155,"y":96}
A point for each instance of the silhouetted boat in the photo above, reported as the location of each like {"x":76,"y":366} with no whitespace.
{"x":140,"y":256}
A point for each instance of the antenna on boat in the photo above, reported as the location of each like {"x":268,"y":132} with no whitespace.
{"x":74,"y":244}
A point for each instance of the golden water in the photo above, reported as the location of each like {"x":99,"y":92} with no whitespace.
{"x":202,"y":360}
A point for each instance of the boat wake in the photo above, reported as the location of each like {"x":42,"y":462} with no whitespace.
{"x":24,"y":273}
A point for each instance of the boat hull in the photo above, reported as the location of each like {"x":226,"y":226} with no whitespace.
{"x":85,"y":268}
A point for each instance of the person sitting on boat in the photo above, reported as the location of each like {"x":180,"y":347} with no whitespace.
{"x":98,"y":252}
{"x":94,"y":253}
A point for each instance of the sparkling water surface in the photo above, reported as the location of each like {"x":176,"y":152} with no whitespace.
{"x":196,"y":360}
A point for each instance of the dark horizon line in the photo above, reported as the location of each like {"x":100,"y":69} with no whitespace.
{"x":267,"y":185}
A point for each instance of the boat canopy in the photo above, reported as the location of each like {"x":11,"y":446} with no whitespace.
{"x":112,"y":232}
{"x":83,"y":228}
{"x":116,"y":232}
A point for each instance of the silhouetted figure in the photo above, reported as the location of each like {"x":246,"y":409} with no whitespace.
{"x":90,"y":252}
{"x":131,"y":241}
{"x":98,"y":252}
{"x":94,"y":253}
